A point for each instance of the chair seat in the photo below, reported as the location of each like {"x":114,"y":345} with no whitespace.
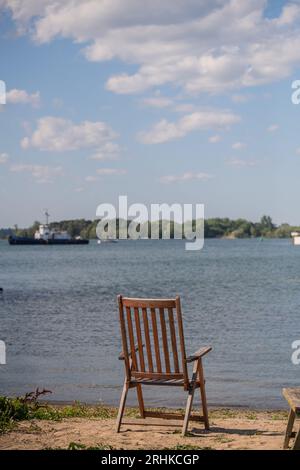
{"x":147,"y":381}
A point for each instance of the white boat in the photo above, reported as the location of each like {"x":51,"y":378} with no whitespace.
{"x":107,"y":240}
{"x":296,"y":238}
{"x":47,"y":236}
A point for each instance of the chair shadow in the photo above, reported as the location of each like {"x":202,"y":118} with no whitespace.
{"x":196,"y":432}
{"x":240,"y":432}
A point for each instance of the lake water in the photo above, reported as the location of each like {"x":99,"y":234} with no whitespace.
{"x":59,"y":317}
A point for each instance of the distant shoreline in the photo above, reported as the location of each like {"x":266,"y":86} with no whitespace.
{"x":223,"y":228}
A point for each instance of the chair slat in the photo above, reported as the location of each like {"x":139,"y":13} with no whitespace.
{"x":147,"y":339}
{"x":124,"y":338}
{"x":182,"y":344}
{"x":164,"y":339}
{"x":131,"y":339}
{"x":155,"y":338}
{"x":139,"y":338}
{"x":173,"y":339}
{"x":156,"y":375}
{"x":148,"y":303}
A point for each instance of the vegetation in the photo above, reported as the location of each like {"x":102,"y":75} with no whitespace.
{"x":5,"y":233}
{"x":79,"y":446}
{"x":19,"y":409}
{"x":213,"y":228}
{"x":187,"y":447}
{"x":13,"y":410}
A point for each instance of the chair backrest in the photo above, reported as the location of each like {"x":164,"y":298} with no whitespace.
{"x":153,"y":339}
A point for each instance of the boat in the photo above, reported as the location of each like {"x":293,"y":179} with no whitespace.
{"x":296,"y":238}
{"x":107,"y":240}
{"x":47,"y":236}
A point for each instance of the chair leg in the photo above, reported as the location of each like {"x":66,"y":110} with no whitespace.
{"x":297,"y":442}
{"x":140,"y":400}
{"x":122,"y":406}
{"x":188,"y":410}
{"x":289,"y":429}
{"x":190,"y":399}
{"x":203,"y":395}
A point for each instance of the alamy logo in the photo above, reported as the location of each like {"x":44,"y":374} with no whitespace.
{"x":296,"y":353}
{"x":2,"y":92}
{"x":2,"y":353}
{"x":164,"y":221}
{"x":296,"y":93}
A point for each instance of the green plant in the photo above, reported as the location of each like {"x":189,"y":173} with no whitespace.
{"x":19,"y":409}
{"x":187,"y":447}
{"x":79,"y":446}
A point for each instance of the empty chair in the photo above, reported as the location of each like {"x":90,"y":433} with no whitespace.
{"x":154,"y":354}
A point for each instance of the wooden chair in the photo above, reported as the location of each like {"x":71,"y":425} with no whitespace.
{"x":151,"y":332}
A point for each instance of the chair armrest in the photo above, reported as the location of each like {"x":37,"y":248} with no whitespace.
{"x":122,"y":356}
{"x":198,"y":354}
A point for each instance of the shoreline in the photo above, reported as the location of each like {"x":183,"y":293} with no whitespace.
{"x":212,"y":407}
{"x":82,"y":427}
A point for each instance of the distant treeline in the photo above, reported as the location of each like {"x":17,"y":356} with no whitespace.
{"x":213,"y":228}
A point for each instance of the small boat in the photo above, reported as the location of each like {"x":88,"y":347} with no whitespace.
{"x":107,"y":240}
{"x":296,"y":238}
{"x":46,"y":236}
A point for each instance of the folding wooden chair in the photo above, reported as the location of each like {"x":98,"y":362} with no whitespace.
{"x":151,"y":330}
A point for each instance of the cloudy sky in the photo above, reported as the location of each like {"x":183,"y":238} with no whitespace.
{"x":164,"y":101}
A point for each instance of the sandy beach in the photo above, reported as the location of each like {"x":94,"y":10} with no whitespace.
{"x":230,"y":430}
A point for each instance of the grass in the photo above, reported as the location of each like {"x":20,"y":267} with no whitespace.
{"x":224,"y":413}
{"x":79,"y":446}
{"x":13,"y":410}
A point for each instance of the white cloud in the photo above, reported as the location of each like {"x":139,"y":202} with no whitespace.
{"x":157,"y":102}
{"x":273,"y":128}
{"x":3,"y":158}
{"x":298,"y":151}
{"x":23,"y":97}
{"x":164,"y":130}
{"x":198,"y":45}
{"x":105,"y":172}
{"x":108,"y":151}
{"x":290,"y":14}
{"x":188,"y":176}
{"x":184,"y":108}
{"x":42,"y":173}
{"x":214,"y":139}
{"x":58,"y":135}
{"x":91,"y":179}
{"x":241,"y":99}
{"x":238,"y":146}
{"x":238,"y":162}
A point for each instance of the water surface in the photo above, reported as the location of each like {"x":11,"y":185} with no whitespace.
{"x":59,"y":319}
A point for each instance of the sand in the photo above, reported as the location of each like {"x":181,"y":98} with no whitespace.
{"x":230,"y":430}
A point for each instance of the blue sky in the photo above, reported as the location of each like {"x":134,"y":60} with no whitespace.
{"x":174,"y":101}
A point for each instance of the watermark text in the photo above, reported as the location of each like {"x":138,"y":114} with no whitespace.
{"x":296,"y":353}
{"x":163,"y":221}
{"x":2,"y":92}
{"x":2,"y":353}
